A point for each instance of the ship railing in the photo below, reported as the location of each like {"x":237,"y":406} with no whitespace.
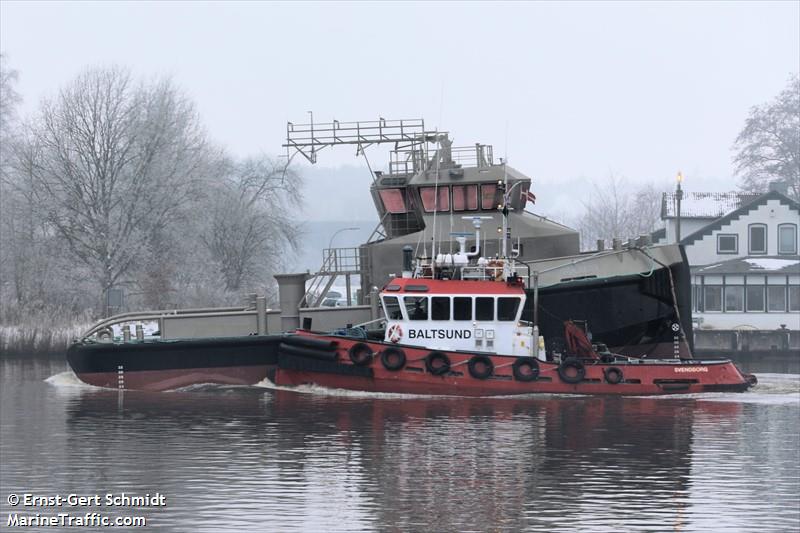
{"x":482,"y":272}
{"x":308,"y":139}
{"x":479,"y":155}
{"x":421,"y":157}
{"x":336,"y":262}
{"x":157,"y":316}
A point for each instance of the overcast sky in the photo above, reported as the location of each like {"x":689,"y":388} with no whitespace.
{"x":569,"y":91}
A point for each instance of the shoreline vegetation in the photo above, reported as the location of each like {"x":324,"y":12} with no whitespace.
{"x":38,"y":341}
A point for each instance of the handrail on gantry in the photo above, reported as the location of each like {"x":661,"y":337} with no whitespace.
{"x":308,"y":139}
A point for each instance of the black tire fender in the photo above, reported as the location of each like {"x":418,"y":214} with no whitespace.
{"x":480,"y":366}
{"x":393,"y":358}
{"x":443,"y":367}
{"x":525,"y":369}
{"x":577,"y":365}
{"x":613,"y":375}
{"x":360,"y":354}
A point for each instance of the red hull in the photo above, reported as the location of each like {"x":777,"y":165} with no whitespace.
{"x":644,"y":378}
{"x":161,"y":380}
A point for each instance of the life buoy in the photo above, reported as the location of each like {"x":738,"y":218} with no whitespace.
{"x":393,"y":358}
{"x":480,"y":366}
{"x":395,"y":333}
{"x":360,"y":354}
{"x":105,"y":335}
{"x":576,"y":375}
{"x":437,"y":363}
{"x":613,"y":375}
{"x":525,"y":369}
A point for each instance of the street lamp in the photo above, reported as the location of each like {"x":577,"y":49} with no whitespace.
{"x":678,"y":198}
{"x":337,"y":232}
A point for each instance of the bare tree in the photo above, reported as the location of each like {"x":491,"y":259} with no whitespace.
{"x":768,"y":147}
{"x":9,"y":97}
{"x":616,"y":210}
{"x":251,"y":223}
{"x":114,"y":159}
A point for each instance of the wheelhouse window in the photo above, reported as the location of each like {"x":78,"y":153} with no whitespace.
{"x":507,"y":309}
{"x":757,"y":238}
{"x":440,"y":308}
{"x":755,"y":298}
{"x":787,"y":239}
{"x":393,"y":200}
{"x":462,"y":308}
{"x":776,"y":298}
{"x":391,"y":306}
{"x":712,"y":298}
{"x":416,"y":307}
{"x":465,"y":197}
{"x":431,"y":201}
{"x":727,"y":243}
{"x":484,"y":308}
{"x":489,"y":198}
{"x":734,"y":298}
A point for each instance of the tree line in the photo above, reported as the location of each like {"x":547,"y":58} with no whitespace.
{"x":114,"y":183}
{"x":766,"y":150}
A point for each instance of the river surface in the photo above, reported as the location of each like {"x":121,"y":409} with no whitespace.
{"x":262,"y":459}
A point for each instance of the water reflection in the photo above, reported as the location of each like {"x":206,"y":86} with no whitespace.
{"x":260,"y":459}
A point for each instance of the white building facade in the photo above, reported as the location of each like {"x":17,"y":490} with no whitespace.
{"x":745,"y":263}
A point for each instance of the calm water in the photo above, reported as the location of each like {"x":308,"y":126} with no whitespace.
{"x":260,"y":459}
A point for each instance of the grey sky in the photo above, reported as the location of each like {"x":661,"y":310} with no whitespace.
{"x":578,"y":89}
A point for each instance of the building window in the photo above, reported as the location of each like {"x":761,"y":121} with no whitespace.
{"x":465,"y":197}
{"x":440,"y":308}
{"x":712,"y":298}
{"x":462,"y":308}
{"x":787,"y":239}
{"x":755,"y":298}
{"x":417,"y":307}
{"x":776,"y":298}
{"x":727,"y":243}
{"x":484,"y":308}
{"x":758,"y":238}
{"x":507,"y":309}
{"x":432,"y":202}
{"x":734,"y":298}
{"x":794,"y":297}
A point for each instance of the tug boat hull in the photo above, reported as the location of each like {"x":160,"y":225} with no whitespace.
{"x":301,"y":365}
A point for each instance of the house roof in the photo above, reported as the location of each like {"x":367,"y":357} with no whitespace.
{"x":704,"y":204}
{"x":743,"y":210}
{"x":784,"y":264}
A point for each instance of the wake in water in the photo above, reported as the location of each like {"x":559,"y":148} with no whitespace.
{"x":772,"y":389}
{"x":325,"y":391}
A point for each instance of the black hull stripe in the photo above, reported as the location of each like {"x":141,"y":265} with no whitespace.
{"x":174,"y":354}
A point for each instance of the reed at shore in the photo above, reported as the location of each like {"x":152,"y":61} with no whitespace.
{"x":21,"y":341}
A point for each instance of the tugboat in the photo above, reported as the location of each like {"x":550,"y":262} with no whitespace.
{"x":632,"y":299}
{"x":459,"y":325}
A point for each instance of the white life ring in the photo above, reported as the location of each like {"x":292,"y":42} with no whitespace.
{"x":395,"y":333}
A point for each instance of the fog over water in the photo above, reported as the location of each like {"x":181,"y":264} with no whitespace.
{"x":569,"y":92}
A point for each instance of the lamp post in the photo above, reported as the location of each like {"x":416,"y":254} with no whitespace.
{"x":337,"y":232}
{"x":678,"y":198}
